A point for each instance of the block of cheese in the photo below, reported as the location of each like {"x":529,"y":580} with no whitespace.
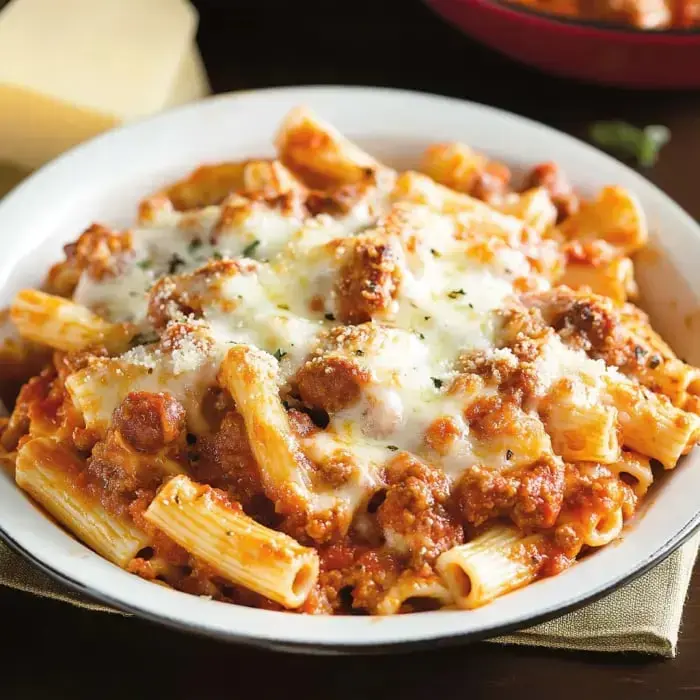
{"x":70,"y":69}
{"x":191,"y":83}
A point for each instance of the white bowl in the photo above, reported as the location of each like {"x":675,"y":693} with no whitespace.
{"x":104,"y":179}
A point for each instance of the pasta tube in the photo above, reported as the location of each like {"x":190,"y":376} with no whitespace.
{"x":46,"y":470}
{"x":496,"y":562}
{"x":62,"y":324}
{"x":234,"y":545}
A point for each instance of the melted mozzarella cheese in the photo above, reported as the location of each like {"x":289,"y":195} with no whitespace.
{"x":451,"y":285}
{"x":186,"y":372}
{"x":403,"y":398}
{"x":260,"y":317}
{"x":368,"y":456}
{"x":448,"y":293}
{"x":264,"y":230}
{"x":178,"y":243}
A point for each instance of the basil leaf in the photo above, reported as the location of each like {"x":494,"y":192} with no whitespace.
{"x":250,"y":248}
{"x":630,"y":141}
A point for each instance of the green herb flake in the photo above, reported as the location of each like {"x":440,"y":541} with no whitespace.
{"x":250,"y":248}
{"x":639,"y":353}
{"x":630,"y":141}
{"x":329,"y":317}
{"x":279,"y":354}
{"x":456,"y":293}
{"x":393,"y":448}
{"x":437,"y":383}
{"x":145,"y":264}
{"x":194,"y":244}
{"x":359,"y":353}
{"x":435,"y":253}
{"x":175,"y":263}
{"x":216,"y":255}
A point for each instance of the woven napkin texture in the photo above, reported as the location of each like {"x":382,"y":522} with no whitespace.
{"x":643,"y":616}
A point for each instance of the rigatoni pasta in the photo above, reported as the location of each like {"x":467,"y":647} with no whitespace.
{"x":50,"y":473}
{"x":314,"y":383}
{"x":243,"y":551}
{"x":500,"y":560}
{"x":250,"y":377}
{"x":61,"y":324}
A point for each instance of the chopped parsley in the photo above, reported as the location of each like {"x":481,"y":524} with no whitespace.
{"x":437,"y":383}
{"x":456,"y":293}
{"x":427,"y":318}
{"x":421,"y":336}
{"x":194,"y":245}
{"x":639,"y":352}
{"x":217,"y":255}
{"x":329,"y":317}
{"x":279,"y":354}
{"x":175,"y":263}
{"x":393,"y":448}
{"x":359,"y":353}
{"x":284,"y":307}
{"x":250,"y":248}
{"x":509,"y":454}
{"x":654,"y":361}
{"x":630,"y":141}
{"x":435,"y":253}
{"x":145,"y":264}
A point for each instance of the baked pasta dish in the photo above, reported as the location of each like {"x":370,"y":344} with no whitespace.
{"x":639,"y":14}
{"x":313,"y":383}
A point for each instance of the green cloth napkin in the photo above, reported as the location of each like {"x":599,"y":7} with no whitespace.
{"x":643,"y":616}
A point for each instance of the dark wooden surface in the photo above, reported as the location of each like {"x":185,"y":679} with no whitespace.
{"x":48,"y":648}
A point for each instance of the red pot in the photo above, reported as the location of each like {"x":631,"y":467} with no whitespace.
{"x":599,"y":53}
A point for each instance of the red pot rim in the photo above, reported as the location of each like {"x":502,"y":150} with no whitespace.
{"x":513,"y":11}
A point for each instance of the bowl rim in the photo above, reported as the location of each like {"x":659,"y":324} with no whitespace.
{"x":607,"y":27}
{"x":350,"y":642}
{"x":348,"y":647}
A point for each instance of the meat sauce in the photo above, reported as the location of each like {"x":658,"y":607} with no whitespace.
{"x":414,"y":510}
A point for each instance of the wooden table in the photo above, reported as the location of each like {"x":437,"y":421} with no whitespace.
{"x":46,"y":646}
